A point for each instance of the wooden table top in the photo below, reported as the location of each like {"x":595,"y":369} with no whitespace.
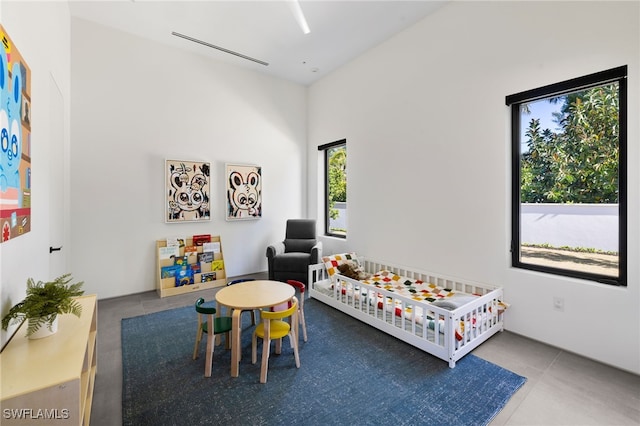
{"x":255,"y":294}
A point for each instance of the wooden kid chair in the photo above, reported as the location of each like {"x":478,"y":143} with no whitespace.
{"x":212,"y":326}
{"x":273,"y":327}
{"x":300,"y":288}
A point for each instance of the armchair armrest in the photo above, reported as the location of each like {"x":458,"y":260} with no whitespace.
{"x":275,"y":249}
{"x":272,"y":251}
{"x":316,"y":253}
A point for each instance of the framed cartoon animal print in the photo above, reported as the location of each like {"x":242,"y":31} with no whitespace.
{"x":15,"y":152}
{"x":187,"y":190}
{"x":244,"y":191}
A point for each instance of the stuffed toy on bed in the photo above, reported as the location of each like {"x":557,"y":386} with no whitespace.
{"x":351,"y":270}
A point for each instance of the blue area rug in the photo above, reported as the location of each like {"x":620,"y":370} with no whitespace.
{"x":350,"y":373}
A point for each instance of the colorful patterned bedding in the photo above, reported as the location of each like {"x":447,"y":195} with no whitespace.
{"x":414,"y":289}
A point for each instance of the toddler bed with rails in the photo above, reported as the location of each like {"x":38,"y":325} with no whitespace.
{"x":443,"y":316}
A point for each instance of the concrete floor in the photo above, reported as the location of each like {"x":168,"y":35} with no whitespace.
{"x":562,"y":388}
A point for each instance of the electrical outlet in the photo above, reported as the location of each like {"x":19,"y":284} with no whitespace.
{"x":558,"y":303}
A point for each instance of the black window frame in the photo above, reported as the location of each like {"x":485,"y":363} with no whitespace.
{"x":327,"y":218}
{"x":515,"y":101}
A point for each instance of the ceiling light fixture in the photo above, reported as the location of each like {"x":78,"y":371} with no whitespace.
{"x":195,"y":40}
{"x":297,"y":13}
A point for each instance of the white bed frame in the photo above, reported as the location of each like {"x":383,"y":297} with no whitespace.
{"x":440,"y":341}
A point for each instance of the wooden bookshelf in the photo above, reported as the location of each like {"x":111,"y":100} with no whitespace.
{"x":167,"y":286}
{"x":50,"y":380}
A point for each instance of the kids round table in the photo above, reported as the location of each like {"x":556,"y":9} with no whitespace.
{"x":248,"y":296}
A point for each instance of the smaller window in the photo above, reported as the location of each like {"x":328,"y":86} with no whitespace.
{"x":335,"y":194}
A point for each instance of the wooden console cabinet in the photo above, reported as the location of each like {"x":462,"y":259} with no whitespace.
{"x":50,"y":380}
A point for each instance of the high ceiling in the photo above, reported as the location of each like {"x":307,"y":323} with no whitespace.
{"x":264,"y":30}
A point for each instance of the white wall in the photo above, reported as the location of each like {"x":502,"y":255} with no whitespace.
{"x":136,"y":103}
{"x":425,"y":110}
{"x":47,"y":57}
{"x":570,"y":225}
{"x":427,"y":134}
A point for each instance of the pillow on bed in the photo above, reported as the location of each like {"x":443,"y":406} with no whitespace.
{"x":454,"y":302}
{"x":332,"y":262}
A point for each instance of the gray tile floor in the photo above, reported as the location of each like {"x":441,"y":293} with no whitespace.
{"x":562,"y":388}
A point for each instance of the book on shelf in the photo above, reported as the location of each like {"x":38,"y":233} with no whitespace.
{"x":169,"y":271}
{"x":207,"y":276}
{"x":206,"y":257}
{"x":199,"y":240}
{"x":213,"y":247}
{"x":217,"y":265}
{"x":184,"y":277}
{"x":176,"y":241}
{"x":181,"y":260}
{"x":168,"y":252}
{"x":190,"y":251}
{"x":195,"y":268}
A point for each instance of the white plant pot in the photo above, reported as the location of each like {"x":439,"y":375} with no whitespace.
{"x":45,"y":331}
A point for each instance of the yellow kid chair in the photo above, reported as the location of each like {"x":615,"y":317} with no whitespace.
{"x":273,"y":327}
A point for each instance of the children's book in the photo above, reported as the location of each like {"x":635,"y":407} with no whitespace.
{"x":191,"y":252}
{"x":169,"y":271}
{"x":217,"y":265}
{"x":208,"y":276}
{"x":168,"y":252}
{"x":207,"y":257}
{"x":199,"y":240}
{"x":184,"y":277}
{"x":176,"y":241}
{"x":195,"y":268}
{"x":211,"y":247}
{"x":181,"y":260}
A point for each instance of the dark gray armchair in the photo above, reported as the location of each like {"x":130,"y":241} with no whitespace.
{"x":290,"y":259}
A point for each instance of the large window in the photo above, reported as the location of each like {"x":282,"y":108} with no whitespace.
{"x":569,"y":178}
{"x":335,"y":178}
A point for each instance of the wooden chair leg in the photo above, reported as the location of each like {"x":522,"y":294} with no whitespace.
{"x":266,"y":344}
{"x":254,"y":349}
{"x":211,"y":344}
{"x":209,"y":358}
{"x":196,"y":347}
{"x":198,"y":339}
{"x":294,"y":344}
{"x":294,"y":340}
{"x":304,"y":325}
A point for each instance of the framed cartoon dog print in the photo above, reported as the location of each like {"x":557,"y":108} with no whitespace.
{"x":244,"y":191}
{"x":187,"y":191}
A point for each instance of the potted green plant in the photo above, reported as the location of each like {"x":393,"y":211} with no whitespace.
{"x":43,"y":303}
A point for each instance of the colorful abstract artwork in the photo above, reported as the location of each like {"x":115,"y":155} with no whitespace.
{"x":187,"y":191}
{"x":244,"y":192}
{"x":15,"y":143}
